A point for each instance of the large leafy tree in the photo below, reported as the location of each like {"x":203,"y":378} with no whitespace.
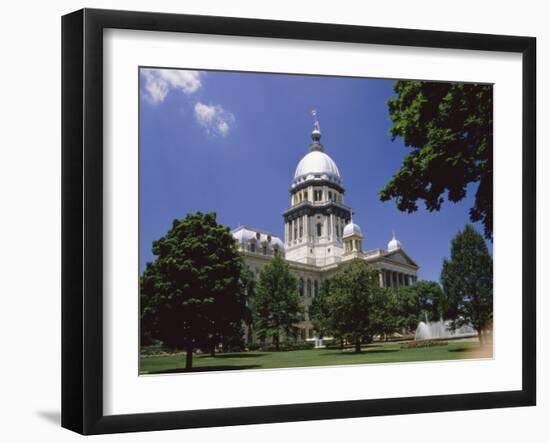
{"x":352,"y":304}
{"x":467,"y":279}
{"x":276,"y":305}
{"x":449,"y":127}
{"x":192,"y":294}
{"x":421,"y":301}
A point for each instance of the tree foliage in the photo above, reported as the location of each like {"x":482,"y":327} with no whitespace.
{"x":449,"y":127}
{"x":421,"y":301}
{"x":352,"y":305}
{"x":467,"y":279}
{"x":193,"y":294}
{"x":276,"y":305}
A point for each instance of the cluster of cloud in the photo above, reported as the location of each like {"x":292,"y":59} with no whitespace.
{"x":159,"y":82}
{"x":213,"y":118}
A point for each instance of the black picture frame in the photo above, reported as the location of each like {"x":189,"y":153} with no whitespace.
{"x":82,"y":218}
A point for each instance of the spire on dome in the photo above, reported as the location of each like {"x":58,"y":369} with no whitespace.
{"x":316,"y":134}
{"x":393,"y":244}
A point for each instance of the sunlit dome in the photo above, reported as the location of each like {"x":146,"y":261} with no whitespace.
{"x":316,"y":165}
{"x":394,"y":244}
{"x":352,"y":229}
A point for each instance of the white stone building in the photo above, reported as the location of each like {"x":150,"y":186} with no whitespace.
{"x":319,"y":233}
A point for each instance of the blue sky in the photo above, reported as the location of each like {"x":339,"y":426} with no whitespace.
{"x":230,"y":142}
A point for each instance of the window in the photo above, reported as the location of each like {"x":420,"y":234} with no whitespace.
{"x":330,"y":195}
{"x":252,"y":247}
{"x":319,"y":229}
{"x":315,"y":288}
{"x":305,"y":195}
{"x":276,"y":250}
{"x":309,"y":287}
{"x":301,"y":287}
{"x":264,"y":249}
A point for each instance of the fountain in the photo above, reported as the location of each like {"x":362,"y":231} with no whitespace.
{"x":429,"y":330}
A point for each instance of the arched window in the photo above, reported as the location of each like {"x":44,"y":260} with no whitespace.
{"x":276,"y":250}
{"x":252,"y":247}
{"x":315,"y":288}
{"x":301,"y":287}
{"x":309,"y":287}
{"x":319,"y":229}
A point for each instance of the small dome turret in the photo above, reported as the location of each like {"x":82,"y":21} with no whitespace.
{"x":352,"y":229}
{"x":394,"y":244}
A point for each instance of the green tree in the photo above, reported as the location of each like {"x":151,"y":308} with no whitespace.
{"x":421,"y":301}
{"x":467,"y":279}
{"x":319,"y":310}
{"x":276,"y":304}
{"x":449,"y":127}
{"x":352,"y":304}
{"x":192,"y":294}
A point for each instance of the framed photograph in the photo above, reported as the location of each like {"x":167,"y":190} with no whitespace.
{"x":269,"y":221}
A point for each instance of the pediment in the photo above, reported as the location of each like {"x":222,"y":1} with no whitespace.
{"x":401,"y":256}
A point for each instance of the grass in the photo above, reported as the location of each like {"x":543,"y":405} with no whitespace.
{"x":374,"y":353}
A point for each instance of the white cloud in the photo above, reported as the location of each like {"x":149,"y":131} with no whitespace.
{"x":214,"y":119}
{"x":159,"y":82}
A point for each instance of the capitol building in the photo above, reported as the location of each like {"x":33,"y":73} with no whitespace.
{"x":320,"y":235}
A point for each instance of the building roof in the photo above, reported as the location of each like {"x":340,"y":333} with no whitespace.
{"x":245,"y":234}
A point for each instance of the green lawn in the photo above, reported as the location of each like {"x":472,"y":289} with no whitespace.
{"x":374,"y":353}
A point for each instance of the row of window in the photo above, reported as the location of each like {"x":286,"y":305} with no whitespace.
{"x":264,"y":249}
{"x":332,"y":196}
{"x":296,"y":228}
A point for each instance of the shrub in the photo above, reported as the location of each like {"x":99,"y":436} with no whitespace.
{"x":423,"y":344}
{"x":284,"y":346}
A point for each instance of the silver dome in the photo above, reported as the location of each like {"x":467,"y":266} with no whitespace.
{"x":394,"y":244}
{"x":352,"y":229}
{"x":316,"y":165}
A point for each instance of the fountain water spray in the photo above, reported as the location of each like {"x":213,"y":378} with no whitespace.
{"x":429,"y":330}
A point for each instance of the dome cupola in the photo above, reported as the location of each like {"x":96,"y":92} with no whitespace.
{"x":352,"y":229}
{"x":394,"y":244}
{"x":316,"y":165}
{"x":353,"y":237}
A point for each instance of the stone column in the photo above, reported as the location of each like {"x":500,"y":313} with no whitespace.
{"x":287,"y":239}
{"x":381,"y":278}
